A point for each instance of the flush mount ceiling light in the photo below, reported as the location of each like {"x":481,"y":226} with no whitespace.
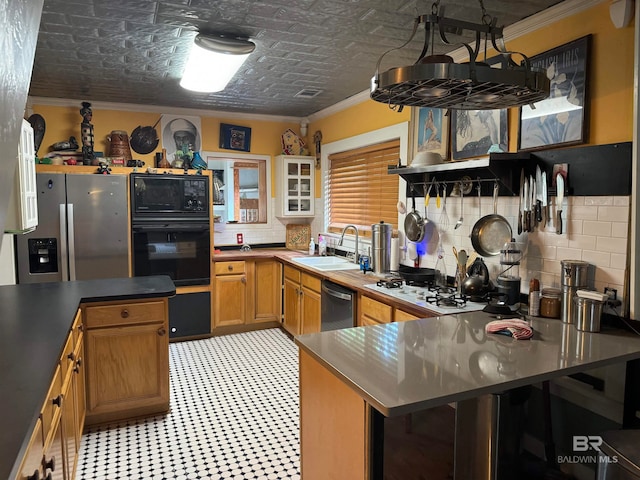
{"x":436,"y":81}
{"x":213,"y":61}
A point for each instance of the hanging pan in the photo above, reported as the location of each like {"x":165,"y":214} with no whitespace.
{"x":144,"y":139}
{"x":414,"y":224}
{"x":491,"y":232}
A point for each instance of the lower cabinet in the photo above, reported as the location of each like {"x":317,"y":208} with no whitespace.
{"x":302,"y":307}
{"x":246,"y":292}
{"x":32,"y":467}
{"x":127,"y":360}
{"x":373,"y":312}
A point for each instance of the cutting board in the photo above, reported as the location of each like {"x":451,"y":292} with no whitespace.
{"x":298,"y":236}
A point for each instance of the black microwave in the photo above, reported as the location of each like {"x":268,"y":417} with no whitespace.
{"x":167,"y":197}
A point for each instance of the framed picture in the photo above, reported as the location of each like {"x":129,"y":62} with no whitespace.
{"x":179,"y":134}
{"x":478,"y":132}
{"x":430,"y":131}
{"x":561,"y":119}
{"x":234,"y":137}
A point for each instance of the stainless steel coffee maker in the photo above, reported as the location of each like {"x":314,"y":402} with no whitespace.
{"x":381,"y":247}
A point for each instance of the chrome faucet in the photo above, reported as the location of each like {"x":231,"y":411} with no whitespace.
{"x":357,"y":254}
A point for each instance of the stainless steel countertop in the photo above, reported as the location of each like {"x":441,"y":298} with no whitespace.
{"x":405,"y":367}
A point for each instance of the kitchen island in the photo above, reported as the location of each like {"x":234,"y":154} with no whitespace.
{"x":35,"y":321}
{"x":350,"y":378}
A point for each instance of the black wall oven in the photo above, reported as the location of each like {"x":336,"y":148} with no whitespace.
{"x":170,"y":227}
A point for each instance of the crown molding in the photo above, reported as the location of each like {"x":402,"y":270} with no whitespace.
{"x":523,"y":27}
{"x":130,"y":107}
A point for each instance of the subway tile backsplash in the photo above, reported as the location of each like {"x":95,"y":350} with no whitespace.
{"x":596,"y":231}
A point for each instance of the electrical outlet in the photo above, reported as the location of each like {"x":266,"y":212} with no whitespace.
{"x":612,"y":292}
{"x":239,"y":238}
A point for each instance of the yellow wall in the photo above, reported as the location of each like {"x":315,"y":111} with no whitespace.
{"x":610,"y":83}
{"x":63,"y":122}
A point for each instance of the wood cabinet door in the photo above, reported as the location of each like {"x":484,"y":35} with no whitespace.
{"x":230,"y":300}
{"x":267,"y":294}
{"x":54,"y":457}
{"x":373,"y":310}
{"x":79,"y":386}
{"x":127,"y":371}
{"x":292,"y":306}
{"x":32,"y":460}
{"x":70,"y":427}
{"x":310,"y":311}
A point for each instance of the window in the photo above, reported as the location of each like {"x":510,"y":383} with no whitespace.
{"x":359,"y":189}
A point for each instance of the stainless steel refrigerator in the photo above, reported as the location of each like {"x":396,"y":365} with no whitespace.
{"x":83,"y":230}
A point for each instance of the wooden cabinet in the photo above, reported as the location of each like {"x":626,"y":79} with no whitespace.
{"x":302,"y":304}
{"x":230,"y":294}
{"x":402,"y":316}
{"x":264,"y":292}
{"x":247,"y":292}
{"x":127,"y":359}
{"x":295,"y":186}
{"x":32,"y":467}
{"x":373,"y":312}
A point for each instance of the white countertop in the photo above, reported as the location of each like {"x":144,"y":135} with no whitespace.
{"x":404,"y":367}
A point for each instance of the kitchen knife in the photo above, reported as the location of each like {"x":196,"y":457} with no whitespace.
{"x":559,"y":200}
{"x":538,"y":194}
{"x":521,"y":205}
{"x":532,"y":203}
{"x":525,"y":219}
{"x":545,"y":202}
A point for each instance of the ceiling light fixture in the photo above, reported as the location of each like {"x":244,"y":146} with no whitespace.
{"x":436,"y":81}
{"x":213,"y":61}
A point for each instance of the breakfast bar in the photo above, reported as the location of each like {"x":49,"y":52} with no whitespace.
{"x":350,"y":378}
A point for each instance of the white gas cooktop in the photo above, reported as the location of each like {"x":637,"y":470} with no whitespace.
{"x":449,"y":303}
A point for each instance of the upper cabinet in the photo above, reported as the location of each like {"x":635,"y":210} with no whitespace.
{"x":22,"y":215}
{"x":295,"y":182}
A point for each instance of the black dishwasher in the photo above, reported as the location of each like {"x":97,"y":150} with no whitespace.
{"x":337,"y":306}
{"x":190,"y":314}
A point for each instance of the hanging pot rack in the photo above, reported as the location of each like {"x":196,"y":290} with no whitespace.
{"x":436,"y":81}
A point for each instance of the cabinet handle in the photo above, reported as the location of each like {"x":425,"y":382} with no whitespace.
{"x":78,"y":365}
{"x":230,"y":267}
{"x":71,"y":356}
{"x":57,"y":401}
{"x":300,"y":292}
{"x":35,"y":476}
{"x":50,"y":464}
{"x":124,"y":313}
{"x":81,"y":327}
{"x":244,"y":280}
{"x":161,"y":331}
{"x":48,"y":477}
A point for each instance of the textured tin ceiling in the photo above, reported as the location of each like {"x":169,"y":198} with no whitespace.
{"x":134,"y":51}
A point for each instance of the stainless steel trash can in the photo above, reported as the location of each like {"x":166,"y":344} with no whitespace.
{"x":619,"y":456}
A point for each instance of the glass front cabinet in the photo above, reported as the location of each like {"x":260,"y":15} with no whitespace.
{"x":295,"y":192}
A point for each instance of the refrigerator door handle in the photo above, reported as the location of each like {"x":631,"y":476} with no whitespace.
{"x":63,"y":242}
{"x":72,"y":243}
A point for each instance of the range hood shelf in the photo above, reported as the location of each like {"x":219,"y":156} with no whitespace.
{"x":503,"y":167}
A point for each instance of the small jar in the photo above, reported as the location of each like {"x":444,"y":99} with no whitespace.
{"x":550,"y":303}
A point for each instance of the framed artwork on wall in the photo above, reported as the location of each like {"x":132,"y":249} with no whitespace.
{"x":478,"y":132}
{"x":234,"y":137}
{"x":179,"y":134}
{"x":430,"y":131}
{"x":561,"y":119}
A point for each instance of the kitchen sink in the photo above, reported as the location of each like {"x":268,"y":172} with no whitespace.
{"x":327,"y":263}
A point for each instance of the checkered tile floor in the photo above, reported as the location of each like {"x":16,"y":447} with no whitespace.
{"x":234,"y":415}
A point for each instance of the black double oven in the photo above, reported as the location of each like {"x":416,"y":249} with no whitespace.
{"x":170,"y":227}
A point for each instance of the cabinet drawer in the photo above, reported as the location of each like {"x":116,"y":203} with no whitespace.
{"x":229,"y":268}
{"x":52,"y":404}
{"x":402,"y":316}
{"x":292,"y":274}
{"x":311,"y":282}
{"x":376,"y":310}
{"x":67,"y":359}
{"x":119,"y":314}
{"x":78,"y":327}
